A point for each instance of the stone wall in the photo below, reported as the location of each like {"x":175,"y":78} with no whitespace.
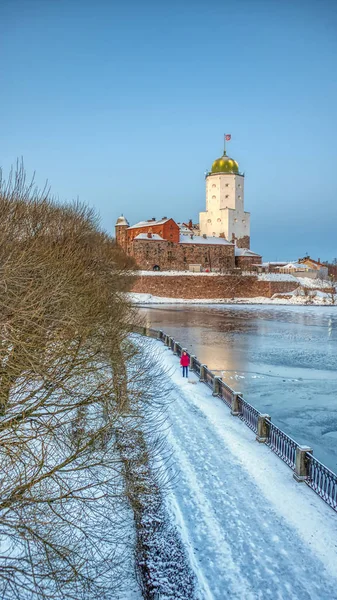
{"x":243,"y":242}
{"x":121,"y":233}
{"x":209,"y":286}
{"x":178,"y":257}
{"x":247,"y":263}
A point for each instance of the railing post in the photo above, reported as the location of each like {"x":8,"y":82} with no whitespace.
{"x":263,"y":428}
{"x":301,"y":464}
{"x":202,"y":372}
{"x":192,"y":358}
{"x":167,"y":340}
{"x":216,"y":386}
{"x":235,"y":407}
{"x":175,"y":348}
{"x":160,"y":334}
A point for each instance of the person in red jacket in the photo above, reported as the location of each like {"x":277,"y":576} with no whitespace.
{"x":185,"y":362}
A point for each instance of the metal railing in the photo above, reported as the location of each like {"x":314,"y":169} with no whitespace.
{"x":318,"y":477}
{"x":283,"y":445}
{"x":226,"y":393}
{"x":209,"y":377}
{"x":196,"y":366}
{"x":322,"y":480}
{"x":248,"y":414}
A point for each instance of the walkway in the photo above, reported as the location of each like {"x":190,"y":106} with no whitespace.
{"x":250,"y":530}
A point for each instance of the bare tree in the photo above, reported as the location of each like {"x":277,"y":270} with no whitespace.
{"x":63,"y":503}
{"x":332,"y":292}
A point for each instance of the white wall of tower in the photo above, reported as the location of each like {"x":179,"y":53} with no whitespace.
{"x":225,"y":214}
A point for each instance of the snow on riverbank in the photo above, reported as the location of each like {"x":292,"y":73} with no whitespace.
{"x":291,"y":298}
{"x":250,"y":530}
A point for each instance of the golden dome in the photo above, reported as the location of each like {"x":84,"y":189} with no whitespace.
{"x":225,"y":164}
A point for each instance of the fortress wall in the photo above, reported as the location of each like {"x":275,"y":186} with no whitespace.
{"x":207,"y":287}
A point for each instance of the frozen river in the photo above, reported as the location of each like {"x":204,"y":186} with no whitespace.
{"x":283,"y":359}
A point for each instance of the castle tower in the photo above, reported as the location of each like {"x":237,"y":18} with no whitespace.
{"x":225,"y":215}
{"x":121,"y":232}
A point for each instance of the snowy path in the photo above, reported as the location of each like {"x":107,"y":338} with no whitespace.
{"x":250,"y":530}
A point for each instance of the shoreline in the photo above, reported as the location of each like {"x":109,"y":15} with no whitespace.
{"x":149,"y":299}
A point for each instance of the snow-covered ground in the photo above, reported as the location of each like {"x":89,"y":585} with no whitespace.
{"x":278,"y":277}
{"x":250,"y":530}
{"x":290,"y":298}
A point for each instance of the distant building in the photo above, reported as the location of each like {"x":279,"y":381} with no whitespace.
{"x":293,"y":268}
{"x":305,"y":267}
{"x":220,"y":242}
{"x":316,"y":266}
{"x":225,"y":215}
{"x":247,"y":260}
{"x":160,"y":245}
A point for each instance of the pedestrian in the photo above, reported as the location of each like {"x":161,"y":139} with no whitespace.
{"x":185,"y":361}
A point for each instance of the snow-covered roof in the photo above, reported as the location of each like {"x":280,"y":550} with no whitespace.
{"x":122,"y":221}
{"x":144,"y":236}
{"x":295,"y":266}
{"x":311,"y":260}
{"x":278,"y":262}
{"x":245,"y":252}
{"x":200,"y":239}
{"x":148,"y":223}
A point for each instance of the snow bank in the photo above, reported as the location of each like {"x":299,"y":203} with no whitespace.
{"x":277,"y":277}
{"x":308,"y":282}
{"x":286,"y":298}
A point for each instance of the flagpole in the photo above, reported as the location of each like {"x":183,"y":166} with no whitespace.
{"x":224,"y":144}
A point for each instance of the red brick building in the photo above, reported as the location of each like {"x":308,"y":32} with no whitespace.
{"x":161,"y":245}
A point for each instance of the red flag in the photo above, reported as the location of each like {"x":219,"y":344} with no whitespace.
{"x":228,"y":137}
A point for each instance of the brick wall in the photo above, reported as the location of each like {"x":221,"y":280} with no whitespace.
{"x":213,"y":286}
{"x":178,"y":257}
{"x":168,"y":230}
{"x":243,"y":242}
{"x":121,"y":236}
{"x":247,"y":263}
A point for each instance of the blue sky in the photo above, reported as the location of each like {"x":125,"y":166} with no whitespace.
{"x":124,"y":105}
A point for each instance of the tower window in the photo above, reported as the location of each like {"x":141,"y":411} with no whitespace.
{"x":239,"y":197}
{"x":227,"y":196}
{"x":209,"y":221}
{"x":213,"y":197}
{"x":219,"y":220}
{"x":243,"y":220}
{"x":235,"y":220}
{"x":213,"y":185}
{"x":239,"y":185}
{"x":227,"y":184}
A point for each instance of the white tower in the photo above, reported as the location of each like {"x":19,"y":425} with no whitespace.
{"x":225,"y":215}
